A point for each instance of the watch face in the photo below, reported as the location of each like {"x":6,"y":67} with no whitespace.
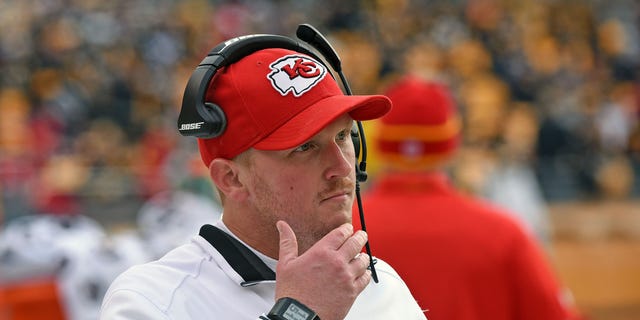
{"x":290,"y":309}
{"x":294,"y":312}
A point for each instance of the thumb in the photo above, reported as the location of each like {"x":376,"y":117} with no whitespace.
{"x":288,"y":242}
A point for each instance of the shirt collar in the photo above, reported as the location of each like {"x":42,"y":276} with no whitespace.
{"x":252,"y":266}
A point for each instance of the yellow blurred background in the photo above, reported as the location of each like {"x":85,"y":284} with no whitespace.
{"x":549,"y":92}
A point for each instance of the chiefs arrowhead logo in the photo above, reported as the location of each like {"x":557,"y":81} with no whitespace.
{"x":296,"y":74}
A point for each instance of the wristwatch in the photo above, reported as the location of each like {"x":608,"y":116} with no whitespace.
{"x":291,"y":309}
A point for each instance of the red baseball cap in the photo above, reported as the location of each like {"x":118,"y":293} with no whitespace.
{"x":276,"y":99}
{"x":423,"y":129}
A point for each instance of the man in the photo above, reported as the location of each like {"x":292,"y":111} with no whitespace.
{"x":284,"y":169}
{"x":462,"y":258}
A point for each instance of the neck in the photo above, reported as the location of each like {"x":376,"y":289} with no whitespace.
{"x":257,"y":233}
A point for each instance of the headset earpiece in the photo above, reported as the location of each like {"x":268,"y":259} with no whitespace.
{"x":361,"y":175}
{"x":355,"y":137}
{"x":213,"y":114}
{"x":207,"y":120}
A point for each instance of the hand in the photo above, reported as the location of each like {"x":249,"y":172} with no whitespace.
{"x":329,"y":276}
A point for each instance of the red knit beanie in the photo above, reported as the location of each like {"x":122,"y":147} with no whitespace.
{"x":422,"y":130}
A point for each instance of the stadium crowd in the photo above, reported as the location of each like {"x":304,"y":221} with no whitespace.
{"x":549,"y":92}
{"x":89,"y":90}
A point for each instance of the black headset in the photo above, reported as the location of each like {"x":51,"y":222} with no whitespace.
{"x":207,"y":120}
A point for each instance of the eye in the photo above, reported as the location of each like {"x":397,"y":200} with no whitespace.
{"x":304,"y":147}
{"x":343,"y":135}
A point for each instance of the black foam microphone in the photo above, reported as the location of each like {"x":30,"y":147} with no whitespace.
{"x":312,"y":36}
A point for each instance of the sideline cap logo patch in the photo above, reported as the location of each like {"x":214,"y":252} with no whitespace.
{"x":296,"y":74}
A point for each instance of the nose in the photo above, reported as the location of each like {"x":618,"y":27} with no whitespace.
{"x":341,"y":160}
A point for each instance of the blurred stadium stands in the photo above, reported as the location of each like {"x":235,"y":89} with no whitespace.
{"x":549,"y":92}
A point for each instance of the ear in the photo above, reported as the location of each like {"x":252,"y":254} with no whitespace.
{"x":225,"y":175}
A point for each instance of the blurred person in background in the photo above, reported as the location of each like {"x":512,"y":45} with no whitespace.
{"x":462,"y":258}
{"x":511,"y":182}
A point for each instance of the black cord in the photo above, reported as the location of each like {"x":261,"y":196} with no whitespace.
{"x":372,"y":263}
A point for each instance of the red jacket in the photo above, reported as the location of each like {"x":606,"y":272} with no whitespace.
{"x":462,"y":258}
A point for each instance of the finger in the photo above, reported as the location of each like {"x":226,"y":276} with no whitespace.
{"x":353,"y":245}
{"x":288,"y":243}
{"x":360,"y":263}
{"x":362,"y":281}
{"x":336,"y":238}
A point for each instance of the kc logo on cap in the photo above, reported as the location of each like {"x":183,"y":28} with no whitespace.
{"x":296,"y":74}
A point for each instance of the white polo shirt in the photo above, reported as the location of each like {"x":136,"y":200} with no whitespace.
{"x":194,"y":281}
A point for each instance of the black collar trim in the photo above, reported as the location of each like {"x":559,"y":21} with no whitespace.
{"x":244,"y":261}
